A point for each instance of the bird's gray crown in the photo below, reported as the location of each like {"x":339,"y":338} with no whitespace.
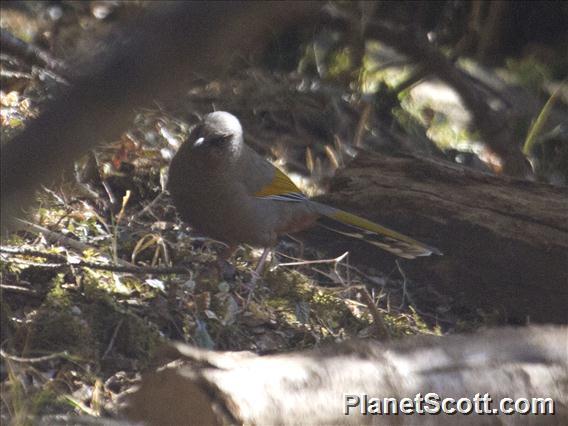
{"x":219,"y":133}
{"x":222,"y":123}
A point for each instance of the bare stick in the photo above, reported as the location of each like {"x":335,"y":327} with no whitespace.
{"x":378,"y":318}
{"x":36,"y":360}
{"x":112,"y":339}
{"x":59,"y":261}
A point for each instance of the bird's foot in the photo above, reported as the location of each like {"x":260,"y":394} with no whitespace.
{"x":257,"y":273}
{"x":251,"y":286}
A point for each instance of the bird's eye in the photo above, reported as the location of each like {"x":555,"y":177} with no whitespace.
{"x":218,"y":139}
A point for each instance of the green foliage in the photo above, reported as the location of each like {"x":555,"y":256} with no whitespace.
{"x":375,"y":72}
{"x":529,"y":72}
{"x":538,"y":125}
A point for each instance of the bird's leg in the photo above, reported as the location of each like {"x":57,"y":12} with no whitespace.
{"x":262,"y":261}
{"x":257,"y":273}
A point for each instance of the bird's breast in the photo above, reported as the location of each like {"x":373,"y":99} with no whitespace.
{"x":216,"y":202}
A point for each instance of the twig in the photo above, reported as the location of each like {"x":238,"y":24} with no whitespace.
{"x":148,"y":207}
{"x":15,"y":75}
{"x":378,"y":319}
{"x":405,"y":294}
{"x":37,"y":360}
{"x":312,"y":262}
{"x":61,"y":262}
{"x":333,"y":277}
{"x":54,"y":237}
{"x":18,"y":289}
{"x":362,"y":124}
{"x":336,"y":261}
{"x":39,"y":265}
{"x":113,"y":338}
{"x":349,"y":267}
{"x":23,"y":251}
{"x":135,"y":269}
{"x":538,"y":125}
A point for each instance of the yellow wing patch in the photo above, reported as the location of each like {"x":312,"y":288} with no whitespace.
{"x":280,"y":185}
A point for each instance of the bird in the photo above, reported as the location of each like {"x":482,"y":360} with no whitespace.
{"x":227,"y":191}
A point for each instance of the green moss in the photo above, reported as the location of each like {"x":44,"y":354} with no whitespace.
{"x":85,"y":324}
{"x":401,"y":325}
{"x":133,"y":337}
{"x":48,"y":401}
{"x":288,"y":284}
{"x":340,"y":62}
{"x":297,"y":300}
{"x":58,"y":295}
{"x":57,"y":328}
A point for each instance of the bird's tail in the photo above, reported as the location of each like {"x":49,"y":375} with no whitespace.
{"x":357,"y":227}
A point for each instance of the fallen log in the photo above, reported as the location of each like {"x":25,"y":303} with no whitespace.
{"x":505,"y":240}
{"x":316,"y":387}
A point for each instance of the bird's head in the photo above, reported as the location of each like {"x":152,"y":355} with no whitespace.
{"x":219,"y":134}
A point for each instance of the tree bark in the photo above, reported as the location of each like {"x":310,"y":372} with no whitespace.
{"x":206,"y":387}
{"x":505,"y":241}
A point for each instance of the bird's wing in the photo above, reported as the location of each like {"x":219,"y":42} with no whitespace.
{"x":264,"y":180}
{"x":280,"y":188}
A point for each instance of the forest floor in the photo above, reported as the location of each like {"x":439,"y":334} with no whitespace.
{"x":103,"y":271}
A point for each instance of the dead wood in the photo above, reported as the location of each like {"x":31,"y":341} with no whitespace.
{"x":205,"y":387}
{"x":505,"y":241}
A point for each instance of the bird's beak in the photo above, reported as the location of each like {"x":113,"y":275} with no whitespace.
{"x":198,"y":142}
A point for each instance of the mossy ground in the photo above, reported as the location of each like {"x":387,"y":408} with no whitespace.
{"x":77,"y":330}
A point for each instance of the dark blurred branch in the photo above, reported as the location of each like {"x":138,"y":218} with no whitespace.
{"x":33,"y":54}
{"x":491,"y":37}
{"x":162,"y":53}
{"x":492,"y":124}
